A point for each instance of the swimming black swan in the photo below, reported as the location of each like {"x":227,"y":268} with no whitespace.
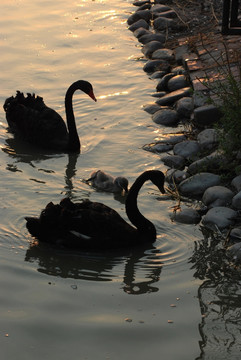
{"x":95,"y":226}
{"x":30,"y":119}
{"x":106,"y":182}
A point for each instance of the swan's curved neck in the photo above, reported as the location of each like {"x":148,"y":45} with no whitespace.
{"x":73,"y":142}
{"x":142,"y":224}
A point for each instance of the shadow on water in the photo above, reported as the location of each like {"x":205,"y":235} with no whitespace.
{"x":219,"y":298}
{"x":140,"y":269}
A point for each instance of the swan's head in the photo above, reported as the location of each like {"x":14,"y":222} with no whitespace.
{"x":86,"y":87}
{"x":158,"y":179}
{"x":122,"y":182}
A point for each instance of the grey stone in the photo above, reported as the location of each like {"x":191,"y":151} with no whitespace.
{"x":162,"y":23}
{"x":158,"y":147}
{"x":160,"y":8}
{"x":157,"y":74}
{"x":146,"y":38}
{"x":179,"y":53}
{"x":235,"y":235}
{"x":236,"y":183}
{"x":164,"y":54}
{"x":188,"y":149}
{"x":167,"y":117}
{"x":139,"y":32}
{"x":199,"y":98}
{"x":184,"y":107}
{"x":217,"y":196}
{"x":236,"y":202}
{"x":219,"y":217}
{"x":159,"y":94}
{"x":174,"y":96}
{"x":175,"y":176}
{"x":177,"y":82}
{"x":208,"y":163}
{"x":171,"y":14}
{"x":234,"y":253}
{"x":155,"y":65}
{"x":186,"y":216}
{"x":140,"y":14}
{"x":162,"y":83}
{"x":178,"y":70}
{"x":174,"y":161}
{"x":196,"y":185}
{"x":151,"y":108}
{"x":206,"y":115}
{"x":150,"y":47}
{"x":207,"y":139}
{"x":138,"y":24}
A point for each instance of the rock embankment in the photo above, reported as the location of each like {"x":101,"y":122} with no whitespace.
{"x":193,"y":162}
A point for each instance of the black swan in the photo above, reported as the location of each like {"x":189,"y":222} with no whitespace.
{"x":106,"y":182}
{"x":30,"y":119}
{"x":94,"y":226}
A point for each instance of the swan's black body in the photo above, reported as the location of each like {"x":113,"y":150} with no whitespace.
{"x":94,"y":226}
{"x":31,"y":120}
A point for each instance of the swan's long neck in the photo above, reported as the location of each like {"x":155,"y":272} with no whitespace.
{"x":73,"y":142}
{"x":137,"y":219}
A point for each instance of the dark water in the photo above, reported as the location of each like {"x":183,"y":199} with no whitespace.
{"x":54,"y":304}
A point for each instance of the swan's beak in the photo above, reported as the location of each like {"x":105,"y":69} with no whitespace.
{"x":92,"y":95}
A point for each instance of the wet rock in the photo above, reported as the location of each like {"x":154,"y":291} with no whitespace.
{"x":174,"y":96}
{"x":150,"y":47}
{"x":219,"y":217}
{"x":186,"y":216}
{"x":156,"y":65}
{"x":236,"y":202}
{"x":146,"y":38}
{"x":196,"y":185}
{"x":235,"y":235}
{"x":177,"y":82}
{"x":140,"y":14}
{"x":206,"y":115}
{"x":174,"y":161}
{"x":164,"y":54}
{"x":184,"y":107}
{"x":157,"y":74}
{"x":175,"y":176}
{"x":158,"y":147}
{"x":162,"y":84}
{"x":217,"y":196}
{"x":151,"y":108}
{"x":236,"y":183}
{"x":141,"y":32}
{"x":178,"y":70}
{"x":138,"y":24}
{"x":234,"y":253}
{"x":159,"y":8}
{"x":188,"y":149}
{"x":208,"y":139}
{"x":208,"y":163}
{"x":162,"y":23}
{"x":159,"y":94}
{"x":165,"y":116}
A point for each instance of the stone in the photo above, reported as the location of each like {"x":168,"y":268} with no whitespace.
{"x":184,"y":107}
{"x":196,"y":184}
{"x":175,"y":176}
{"x":159,"y":94}
{"x":150,"y":47}
{"x":140,"y":14}
{"x":235,"y":235}
{"x":177,"y":82}
{"x":152,"y":108}
{"x":217,"y":196}
{"x":236,"y":183}
{"x":179,"y":53}
{"x":171,"y":14}
{"x":236,"y":201}
{"x":208,"y":163}
{"x":219,"y":217}
{"x":174,"y":161}
{"x":146,"y":38}
{"x":188,"y":149}
{"x":155,"y":65}
{"x":206,"y":115}
{"x":164,"y":54}
{"x":138,"y":24}
{"x":162,"y":23}
{"x":157,"y":75}
{"x":166,"y":116}
{"x":157,"y":147}
{"x":208,"y":139}
{"x":178,"y":70}
{"x":234,"y":253}
{"x":139,"y":32}
{"x":186,"y":216}
{"x":174,"y":96}
{"x":162,"y":83}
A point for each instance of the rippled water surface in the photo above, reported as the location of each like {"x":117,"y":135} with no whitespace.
{"x":56,"y":304}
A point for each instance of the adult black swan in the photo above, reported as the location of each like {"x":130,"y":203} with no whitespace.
{"x":31,"y":120}
{"x":95,"y":226}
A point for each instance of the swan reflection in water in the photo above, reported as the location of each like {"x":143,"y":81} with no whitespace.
{"x":219,"y":297}
{"x":101,"y":266}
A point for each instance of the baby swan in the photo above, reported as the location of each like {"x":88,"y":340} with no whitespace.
{"x":106,"y":182}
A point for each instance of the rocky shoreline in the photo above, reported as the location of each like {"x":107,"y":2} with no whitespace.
{"x":192,"y":157}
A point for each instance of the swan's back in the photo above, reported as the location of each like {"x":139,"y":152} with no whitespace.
{"x":30,"y":119}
